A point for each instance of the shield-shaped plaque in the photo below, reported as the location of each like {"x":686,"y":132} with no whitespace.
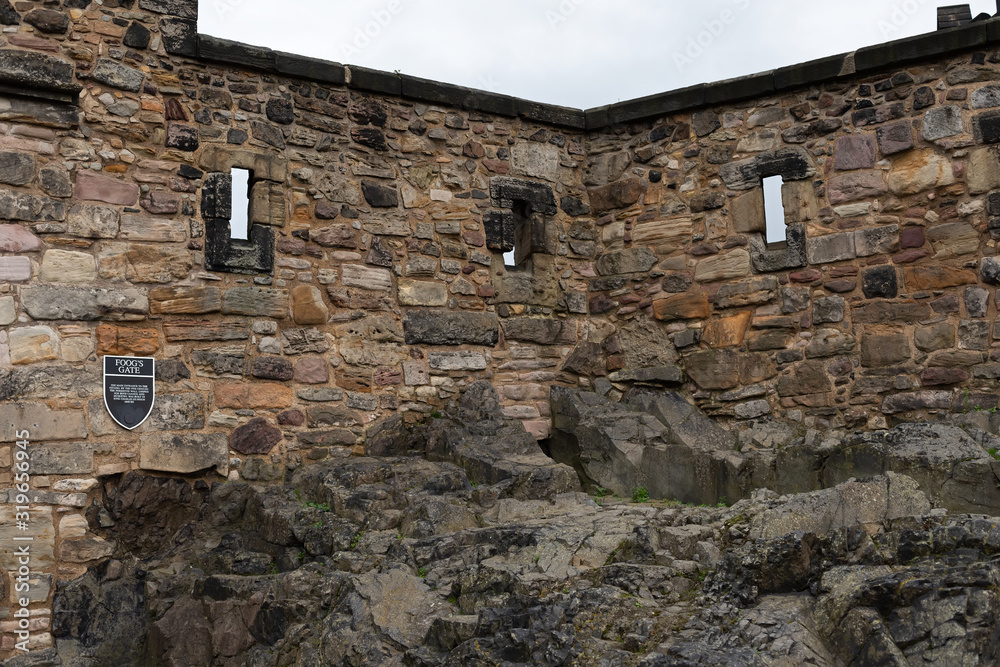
{"x":129,"y":389}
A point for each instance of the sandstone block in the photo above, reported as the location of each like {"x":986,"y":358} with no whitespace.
{"x":95,"y":187}
{"x":312,"y":370}
{"x":272,"y":368}
{"x":752,"y":292}
{"x":177,"y":412}
{"x":536,"y":160}
{"x":713,"y":369}
{"x":15,"y":205}
{"x":421,"y":293}
{"x":30,"y":345}
{"x":139,"y":228}
{"x":43,"y":423}
{"x":856,"y":185}
{"x":76,"y":458}
{"x":983,"y":171}
{"x":254,"y":396}
{"x":185,"y":300}
{"x":456,"y":361}
{"x":942,"y":122}
{"x":184,"y":454}
{"x":256,"y":302}
{"x":16,"y":168}
{"x":682,"y":307}
{"x":831,"y":248}
{"x":85,"y":550}
{"x":15,"y":269}
{"x":67,"y":266}
{"x":953,"y":239}
{"x":127,"y":341}
{"x":633,"y":260}
{"x":734,"y":264}
{"x":880,"y":350}
{"x":93,"y":221}
{"x":936,"y":277}
{"x":308,"y":306}
{"x":355,"y":275}
{"x":15,"y":238}
{"x":727,"y":331}
{"x":936,"y":337}
{"x":855,"y":152}
{"x":116,"y":75}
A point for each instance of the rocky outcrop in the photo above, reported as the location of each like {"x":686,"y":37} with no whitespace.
{"x":660,"y":442}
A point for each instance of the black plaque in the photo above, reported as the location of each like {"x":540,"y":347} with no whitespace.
{"x":129,"y":389}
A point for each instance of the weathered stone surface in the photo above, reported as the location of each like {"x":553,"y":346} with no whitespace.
{"x":936,"y":337}
{"x":983,"y":171}
{"x":257,"y":436}
{"x":856,"y":185}
{"x":543,"y":331}
{"x":953,"y":239}
{"x":715,"y":369}
{"x":252,"y":396}
{"x":809,"y":377}
{"x":144,"y":263}
{"x":37,"y":70}
{"x":256,"y":302}
{"x":752,"y":292}
{"x":936,"y":277}
{"x":308,"y":306}
{"x":620,"y":194}
{"x":116,"y":75}
{"x":920,"y":170}
{"x":312,"y":370}
{"x":828,"y":309}
{"x":137,"y":228}
{"x":16,"y":168}
{"x":895,"y":137}
{"x":422,"y":293}
{"x":456,"y":361}
{"x":831,"y":248}
{"x":184,"y":454}
{"x":829,"y":343}
{"x":15,"y":269}
{"x":116,"y":340}
{"x":16,"y":205}
{"x":76,"y":303}
{"x":876,"y":241}
{"x":921,"y":400}
{"x":185,"y":300}
{"x":43,"y":423}
{"x":633,"y":260}
{"x":15,"y":238}
{"x":733,"y":264}
{"x":747,"y":212}
{"x":177,"y":412}
{"x":942,"y":122}
{"x":378,"y":195}
{"x":67,"y":266}
{"x":794,"y":164}
{"x":855,"y":152}
{"x":444,"y":328}
{"x":682,"y":307}
{"x":880,"y":282}
{"x":95,"y":187}
{"x":30,"y":345}
{"x":93,"y":222}
{"x":536,"y":160}
{"x":879,"y":350}
{"x":354,"y":275}
{"x":727,"y":331}
{"x":272,"y":368}
{"x":304,"y":341}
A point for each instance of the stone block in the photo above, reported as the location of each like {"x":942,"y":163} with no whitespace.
{"x":15,"y":269}
{"x":74,"y":458}
{"x":422,"y":293}
{"x":856,"y":185}
{"x":228,"y":255}
{"x":733,"y":264}
{"x":145,"y":263}
{"x":304,"y":341}
{"x":880,"y":350}
{"x":986,"y":127}
{"x":920,"y":170}
{"x":828,"y":309}
{"x":67,"y":266}
{"x":831,"y":248}
{"x":15,"y":238}
{"x":747,"y":212}
{"x":974,"y":335}
{"x":30,"y":345}
{"x":536,"y":160}
{"x":807,"y":378}
{"x":751,"y":292}
{"x":983,"y":171}
{"x":43,"y":423}
{"x":669,"y":233}
{"x":257,"y":437}
{"x":941,"y":122}
{"x":829,"y":343}
{"x":445,"y":328}
{"x":876,"y":240}
{"x":139,"y":228}
{"x":855,"y":152}
{"x":15,"y":205}
{"x":894,"y":137}
{"x":177,"y":412}
{"x":355,"y":275}
{"x":312,"y":370}
{"x":16,"y":168}
{"x":185,"y":300}
{"x":936,"y":277}
{"x":793,"y":163}
{"x":272,"y":368}
{"x":268,"y":204}
{"x":714,"y":369}
{"x":42,"y":546}
{"x":687,"y":306}
{"x":252,"y":396}
{"x":93,"y":221}
{"x":880,"y":282}
{"x":256,"y":302}
{"x":935,"y":337}
{"x":953,"y":239}
{"x":792,"y":255}
{"x":633,"y":260}
{"x":543,"y":331}
{"x":921,"y":400}
{"x":308,"y":306}
{"x":184,"y":454}
{"x":456,"y":361}
{"x":727,"y":331}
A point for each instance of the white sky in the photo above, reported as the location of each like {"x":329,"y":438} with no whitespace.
{"x":577,"y":53}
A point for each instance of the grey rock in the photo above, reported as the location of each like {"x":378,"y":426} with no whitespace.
{"x":76,"y":303}
{"x":444,"y":328}
{"x":116,"y":75}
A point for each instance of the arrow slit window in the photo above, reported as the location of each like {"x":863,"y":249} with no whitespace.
{"x":774,"y":211}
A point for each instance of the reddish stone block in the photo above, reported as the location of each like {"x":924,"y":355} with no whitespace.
{"x":241,"y":395}
{"x":95,"y":187}
{"x":312,"y":370}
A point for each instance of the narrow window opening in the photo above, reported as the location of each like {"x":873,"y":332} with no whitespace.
{"x":239,"y":223}
{"x":774,"y":210}
{"x":517,"y":257}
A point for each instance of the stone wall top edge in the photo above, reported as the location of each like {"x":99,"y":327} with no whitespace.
{"x":863,"y":61}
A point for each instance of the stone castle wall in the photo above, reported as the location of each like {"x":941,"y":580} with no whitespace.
{"x":374,"y":282}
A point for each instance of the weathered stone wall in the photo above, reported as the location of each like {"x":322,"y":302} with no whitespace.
{"x":374,"y":283}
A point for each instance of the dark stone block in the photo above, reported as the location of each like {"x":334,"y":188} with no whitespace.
{"x":280,"y":111}
{"x":597,"y":118}
{"x":989,"y":269}
{"x":880,"y":282}
{"x":921,"y":47}
{"x":371,"y":137}
{"x":237,"y":137}
{"x":267,"y":133}
{"x":273,"y":368}
{"x":217,"y":196}
{"x":228,"y":255}
{"x":705,"y":123}
{"x":444,"y":328}
{"x":312,"y":69}
{"x":47,"y":20}
{"x":8,"y":15}
{"x":368,"y":111}
{"x":137,"y":36}
{"x":505,"y":191}
{"x":923,"y":98}
{"x":549,"y":113}
{"x":235,"y":53}
{"x":657,"y":105}
{"x":993,"y":203}
{"x":375,"y":81}
{"x":180,"y":36}
{"x":257,"y":436}
{"x":987,"y":127}
{"x":574,"y":206}
{"x":37,"y":70}
{"x":808,"y":73}
{"x":740,"y":88}
{"x":186,"y":9}
{"x":379,"y":196}
{"x":457,"y":96}
{"x":182,"y":137}
{"x":499,"y":227}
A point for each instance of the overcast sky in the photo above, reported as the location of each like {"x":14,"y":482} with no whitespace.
{"x":577,"y":53}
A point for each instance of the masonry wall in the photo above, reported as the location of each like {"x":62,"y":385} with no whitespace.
{"x":374,"y":283}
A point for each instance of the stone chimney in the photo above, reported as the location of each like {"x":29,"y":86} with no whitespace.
{"x":954,"y":15}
